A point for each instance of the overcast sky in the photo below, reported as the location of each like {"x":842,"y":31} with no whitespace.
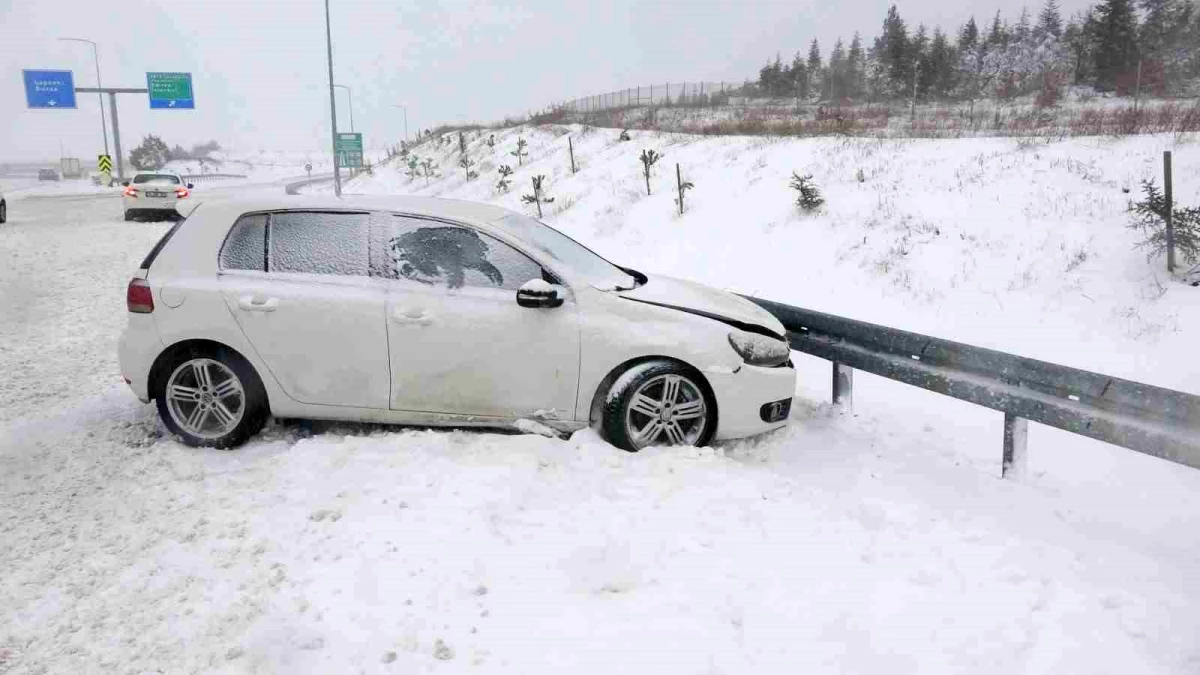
{"x":261,"y":80}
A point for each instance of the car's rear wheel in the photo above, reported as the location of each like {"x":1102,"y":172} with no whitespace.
{"x":3,"y":212}
{"x":658,"y":403}
{"x":211,"y":398}
{"x":128,"y":215}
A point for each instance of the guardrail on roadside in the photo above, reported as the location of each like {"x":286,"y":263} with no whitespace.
{"x":1152,"y":420}
{"x":195,"y":178}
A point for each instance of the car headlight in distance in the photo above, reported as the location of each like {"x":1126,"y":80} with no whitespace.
{"x":759,"y":350}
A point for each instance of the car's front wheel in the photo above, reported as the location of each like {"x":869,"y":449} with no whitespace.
{"x":128,"y":215}
{"x":211,"y":398}
{"x":658,"y":403}
{"x":3,"y":212}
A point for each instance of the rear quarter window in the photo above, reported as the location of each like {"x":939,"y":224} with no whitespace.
{"x":245,"y":247}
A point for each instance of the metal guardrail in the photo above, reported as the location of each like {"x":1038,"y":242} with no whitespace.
{"x":212,"y":176}
{"x":1152,"y":420}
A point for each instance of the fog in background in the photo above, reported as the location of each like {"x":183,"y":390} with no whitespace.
{"x":260,"y":76}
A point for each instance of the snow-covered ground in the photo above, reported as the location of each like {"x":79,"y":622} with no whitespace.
{"x":878,"y":542}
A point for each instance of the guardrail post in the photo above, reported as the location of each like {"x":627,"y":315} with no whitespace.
{"x":1016,"y":441}
{"x":843,"y":386}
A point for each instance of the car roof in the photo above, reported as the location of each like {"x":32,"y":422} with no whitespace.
{"x":151,"y":172}
{"x":453,"y":209}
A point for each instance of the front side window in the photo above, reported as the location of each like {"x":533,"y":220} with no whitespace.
{"x":440,"y":254}
{"x":312,"y":242}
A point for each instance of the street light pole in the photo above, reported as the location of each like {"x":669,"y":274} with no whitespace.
{"x":337,"y":176}
{"x":99,"y":85}
{"x":349,"y":97}
{"x":405,"y":109}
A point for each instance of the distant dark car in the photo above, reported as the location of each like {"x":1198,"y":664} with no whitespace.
{"x":47,"y":174}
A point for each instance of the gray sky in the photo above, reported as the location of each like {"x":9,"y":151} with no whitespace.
{"x":260,"y":74}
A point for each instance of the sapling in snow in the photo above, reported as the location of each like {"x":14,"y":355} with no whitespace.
{"x":539,"y":196}
{"x":624,"y":135}
{"x":683,"y":186}
{"x":520,"y":152}
{"x":648,"y":158}
{"x":414,"y":166}
{"x":808,"y":197}
{"x":1150,"y":218}
{"x":492,"y":142}
{"x":505,"y":171}
{"x":427,"y":165}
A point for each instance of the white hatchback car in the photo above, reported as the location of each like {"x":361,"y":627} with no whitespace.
{"x":155,"y":193}
{"x":436,"y":312}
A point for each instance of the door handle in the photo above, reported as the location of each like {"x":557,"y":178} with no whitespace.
{"x":258,"y":303}
{"x":413,"y":317}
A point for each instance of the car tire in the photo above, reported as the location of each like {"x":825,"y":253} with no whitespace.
{"x":658,"y":402}
{"x":128,"y":216}
{"x":3,"y":212}
{"x":210,"y":398}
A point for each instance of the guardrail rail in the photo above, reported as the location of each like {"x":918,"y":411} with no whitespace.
{"x":1142,"y":417}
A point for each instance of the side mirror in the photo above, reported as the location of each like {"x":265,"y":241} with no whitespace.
{"x":537,"y":293}
{"x":190,"y":186}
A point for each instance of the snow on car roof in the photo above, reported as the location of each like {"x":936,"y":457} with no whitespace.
{"x":427,"y":206}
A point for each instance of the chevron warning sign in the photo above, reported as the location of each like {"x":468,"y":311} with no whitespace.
{"x":104,"y":163}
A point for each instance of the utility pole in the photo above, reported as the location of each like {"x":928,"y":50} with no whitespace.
{"x":337,"y":177}
{"x":405,"y":109}
{"x":99,"y":85}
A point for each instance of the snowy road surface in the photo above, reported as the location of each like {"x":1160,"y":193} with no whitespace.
{"x":877,"y":543}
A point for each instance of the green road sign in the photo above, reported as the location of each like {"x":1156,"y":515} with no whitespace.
{"x":170,"y":90}
{"x":349,"y":150}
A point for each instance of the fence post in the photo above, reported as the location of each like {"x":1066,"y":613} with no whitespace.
{"x":843,"y":386}
{"x":1170,"y":211}
{"x":571,"y":148}
{"x":1016,"y":442}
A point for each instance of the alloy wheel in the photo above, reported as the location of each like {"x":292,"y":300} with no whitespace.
{"x":205,"y":398}
{"x":667,"y":409}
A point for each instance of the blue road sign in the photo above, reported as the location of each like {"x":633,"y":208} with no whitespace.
{"x":49,"y":88}
{"x":170,"y":90}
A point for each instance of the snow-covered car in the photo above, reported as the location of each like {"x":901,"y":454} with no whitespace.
{"x":155,"y":193}
{"x":427,"y":311}
{"x":47,"y":174}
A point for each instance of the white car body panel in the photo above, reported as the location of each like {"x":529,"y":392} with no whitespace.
{"x":464,"y":357}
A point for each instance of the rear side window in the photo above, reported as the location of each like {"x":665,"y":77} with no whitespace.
{"x":246,"y":246}
{"x":307,"y":242}
{"x":313,"y":242}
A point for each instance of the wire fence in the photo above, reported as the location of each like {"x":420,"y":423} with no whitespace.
{"x":665,"y":94}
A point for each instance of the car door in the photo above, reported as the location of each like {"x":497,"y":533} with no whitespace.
{"x":298,"y":284}
{"x":459,"y":341}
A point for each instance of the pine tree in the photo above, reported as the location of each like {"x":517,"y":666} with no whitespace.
{"x":855,"y":67}
{"x":968,"y":37}
{"x":1114,"y":42}
{"x":941,"y":65}
{"x":918,"y":53}
{"x":1022,"y":32}
{"x":798,"y":77}
{"x":815,"y":73}
{"x":997,"y":36}
{"x":896,"y":56}
{"x":1049,"y":23}
{"x":837,"y":71}
{"x":1170,"y":36}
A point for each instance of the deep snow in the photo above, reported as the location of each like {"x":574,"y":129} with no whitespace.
{"x":878,"y":542}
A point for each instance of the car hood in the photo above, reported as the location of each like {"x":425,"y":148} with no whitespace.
{"x":689,"y":296}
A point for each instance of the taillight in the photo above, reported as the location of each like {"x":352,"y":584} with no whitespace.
{"x":130,"y":191}
{"x":138,"y":298}
{"x":181,"y":192}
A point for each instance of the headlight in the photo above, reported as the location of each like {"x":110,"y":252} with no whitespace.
{"x":759,"y":350}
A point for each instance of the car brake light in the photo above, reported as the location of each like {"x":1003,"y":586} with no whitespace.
{"x":138,"y":297}
{"x":182,"y":192}
{"x":130,"y":191}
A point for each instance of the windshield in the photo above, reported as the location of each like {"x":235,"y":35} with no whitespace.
{"x":598,"y":271}
{"x":160,"y":177}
